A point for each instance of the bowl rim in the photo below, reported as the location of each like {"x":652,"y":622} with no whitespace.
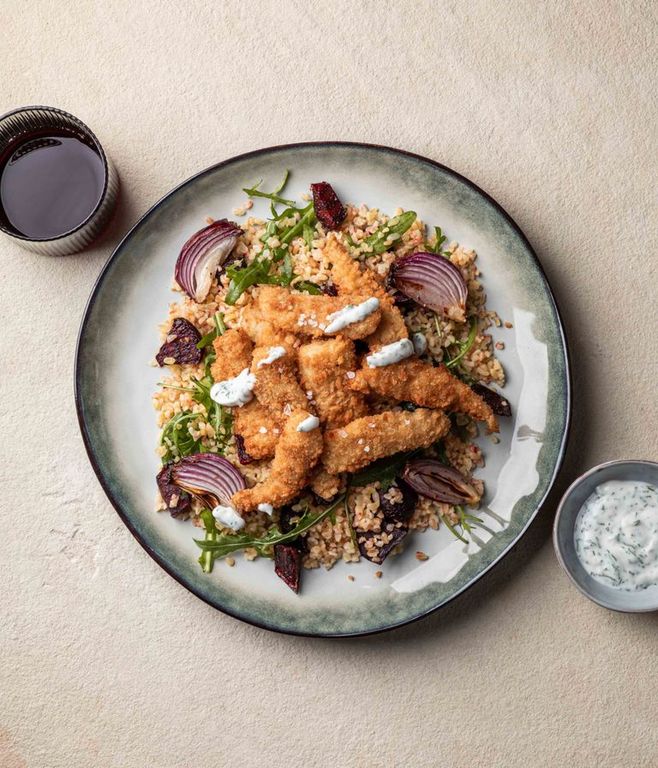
{"x":556,"y":525}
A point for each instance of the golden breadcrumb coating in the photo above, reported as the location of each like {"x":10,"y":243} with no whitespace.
{"x":296,"y":455}
{"x":352,"y":447}
{"x":325,"y":369}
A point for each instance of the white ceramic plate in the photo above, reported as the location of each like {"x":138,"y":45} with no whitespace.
{"x":114,"y":385}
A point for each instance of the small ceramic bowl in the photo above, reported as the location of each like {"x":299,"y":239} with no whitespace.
{"x":563,"y":535}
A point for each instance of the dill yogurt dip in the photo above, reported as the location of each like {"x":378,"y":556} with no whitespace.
{"x":616,"y":534}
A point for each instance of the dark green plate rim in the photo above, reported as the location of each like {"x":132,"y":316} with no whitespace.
{"x":320,"y":144}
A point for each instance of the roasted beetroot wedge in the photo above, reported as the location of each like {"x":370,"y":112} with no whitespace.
{"x":398,"y":502}
{"x":244,"y":457}
{"x":329,"y":289}
{"x":328,"y":208}
{"x":496,"y":402}
{"x":377,"y":546}
{"x":181,"y":344}
{"x":177,"y":500}
{"x":288,"y":564}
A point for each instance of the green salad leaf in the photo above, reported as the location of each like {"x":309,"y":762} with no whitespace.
{"x":219,"y":417}
{"x":244,"y":277}
{"x":225,"y":544}
{"x":273,"y":196}
{"x":308,"y":287}
{"x":383,"y":470}
{"x":206,"y":559}
{"x":261,"y":271}
{"x":440,"y":238}
{"x":218,"y":330}
{"x":176,"y":437}
{"x":466,"y":522}
{"x":386,"y":236}
{"x":463,"y":346}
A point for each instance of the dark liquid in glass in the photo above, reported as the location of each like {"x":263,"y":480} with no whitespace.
{"x":49,"y":184}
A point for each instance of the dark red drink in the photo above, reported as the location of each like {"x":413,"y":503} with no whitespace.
{"x":58,"y":188}
{"x":50,"y":184}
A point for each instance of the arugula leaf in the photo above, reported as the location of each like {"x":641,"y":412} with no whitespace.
{"x":283,"y":183}
{"x":350,"y":241}
{"x":176,"y":437}
{"x":465,"y":522}
{"x":224,"y":544}
{"x":259,"y":272}
{"x":381,"y":240}
{"x":218,"y":330}
{"x":273,"y":196}
{"x":307,"y":234}
{"x":441,"y":455}
{"x":206,"y":559}
{"x":219,"y":417}
{"x":308,"y":287}
{"x":307,"y":220}
{"x":465,"y":345}
{"x":243,"y":278}
{"x":287,"y":273}
{"x":440,"y":239}
{"x":383,"y":470}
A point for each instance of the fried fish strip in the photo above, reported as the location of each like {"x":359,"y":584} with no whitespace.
{"x":234,"y":351}
{"x":419,"y":382}
{"x":355,"y":445}
{"x":324,"y":485}
{"x":262,"y":332}
{"x":276,"y":384}
{"x":352,"y":281}
{"x":324,"y":367}
{"x":308,"y":315}
{"x":258,"y":428}
{"x":296,"y":455}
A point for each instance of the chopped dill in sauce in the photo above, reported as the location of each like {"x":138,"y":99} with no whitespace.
{"x":616,"y":534}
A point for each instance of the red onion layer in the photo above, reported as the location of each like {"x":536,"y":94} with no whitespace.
{"x":202,"y":255}
{"x":432,"y":281}
{"x":209,"y":477}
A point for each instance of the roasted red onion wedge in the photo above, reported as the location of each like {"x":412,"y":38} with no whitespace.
{"x":432,"y":479}
{"x":432,"y":281}
{"x":202,"y":255}
{"x":209,"y":477}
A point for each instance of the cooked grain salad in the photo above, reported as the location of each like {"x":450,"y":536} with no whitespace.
{"x":327,"y":370}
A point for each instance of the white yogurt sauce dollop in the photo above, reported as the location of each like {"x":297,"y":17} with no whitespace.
{"x":228,"y":516}
{"x":309,"y":424}
{"x":616,"y":534}
{"x":352,"y":313}
{"x":390,"y":354}
{"x":273,"y":353}
{"x":235,"y":392}
{"x":420,"y":343}
{"x":267,"y":508}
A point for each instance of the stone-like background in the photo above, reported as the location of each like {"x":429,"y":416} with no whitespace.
{"x":550,"y":107}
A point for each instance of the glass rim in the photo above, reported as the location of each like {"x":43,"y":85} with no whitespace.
{"x":97,"y":145}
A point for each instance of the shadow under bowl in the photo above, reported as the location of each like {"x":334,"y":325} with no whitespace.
{"x":563,"y":535}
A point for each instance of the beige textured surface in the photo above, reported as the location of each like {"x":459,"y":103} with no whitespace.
{"x":104,"y":659}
